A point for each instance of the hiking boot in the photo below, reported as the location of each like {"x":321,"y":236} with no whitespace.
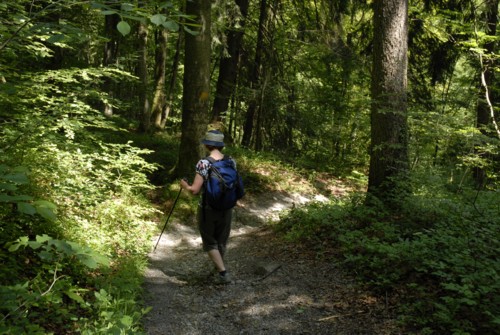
{"x":223,"y":279}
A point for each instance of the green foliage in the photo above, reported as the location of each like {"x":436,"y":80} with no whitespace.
{"x":53,"y":290}
{"x":129,"y":11}
{"x":99,"y":202}
{"x":10,"y":181}
{"x":439,"y":254}
{"x":85,"y":191}
{"x":262,"y":171}
{"x":68,"y":172}
{"x":61,"y":177}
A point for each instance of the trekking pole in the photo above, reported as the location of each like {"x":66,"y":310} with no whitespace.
{"x":171,"y":210}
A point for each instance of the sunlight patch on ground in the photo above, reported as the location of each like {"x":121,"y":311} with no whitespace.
{"x":267,"y":207}
{"x":240,"y":231}
{"x":178,"y":235}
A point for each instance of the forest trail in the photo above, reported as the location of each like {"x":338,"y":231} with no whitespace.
{"x":277,"y":288}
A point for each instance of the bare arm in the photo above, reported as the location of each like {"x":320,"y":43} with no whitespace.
{"x":194,"y":188}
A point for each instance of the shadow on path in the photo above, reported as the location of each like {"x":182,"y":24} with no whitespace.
{"x":276,"y":288}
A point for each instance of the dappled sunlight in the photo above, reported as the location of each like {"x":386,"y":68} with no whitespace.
{"x":268,"y":206}
{"x":176,"y":235}
{"x":275,"y":290}
{"x":293,"y":304}
{"x":159,"y":277}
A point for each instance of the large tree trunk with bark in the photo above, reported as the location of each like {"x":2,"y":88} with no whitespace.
{"x":228,"y":68}
{"x":195,"y":99}
{"x":248,"y":127}
{"x":142,"y":72}
{"x":389,"y":129}
{"x":160,"y":67}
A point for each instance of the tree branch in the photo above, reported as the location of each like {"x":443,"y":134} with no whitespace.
{"x":487,"y":95}
{"x":29,"y":20}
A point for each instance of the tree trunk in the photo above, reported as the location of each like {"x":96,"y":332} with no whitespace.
{"x":228,"y":68}
{"x":160,"y":66}
{"x":173,"y":81}
{"x":195,"y":99}
{"x":389,"y":129}
{"x":142,"y":72}
{"x":248,"y":127}
{"x":110,"y":55}
{"x":483,"y":113}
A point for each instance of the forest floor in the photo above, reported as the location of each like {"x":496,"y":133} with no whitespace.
{"x":278,"y":287}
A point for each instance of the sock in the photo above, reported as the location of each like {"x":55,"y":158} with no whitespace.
{"x":223,"y":273}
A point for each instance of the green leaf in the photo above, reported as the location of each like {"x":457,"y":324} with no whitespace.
{"x":108,"y":12}
{"x":45,"y":255}
{"x":35,"y":245}
{"x":171,"y":25}
{"x":26,"y":208}
{"x":123,"y":27}
{"x":13,"y":247}
{"x":45,"y":203}
{"x":14,"y":198}
{"x":88,"y":261}
{"x":22,"y":241}
{"x":93,"y":260}
{"x":127,"y":7}
{"x":192,"y":32}
{"x":158,"y":19}
{"x":56,"y":38}
{"x":127,"y":321}
{"x":73,"y":295}
{"x":19,"y":178}
{"x":43,"y":238}
{"x":97,"y":5}
{"x":101,"y":259}
{"x":8,"y":187}
{"x":46,"y":209}
{"x":46,"y":213}
{"x":62,"y":246}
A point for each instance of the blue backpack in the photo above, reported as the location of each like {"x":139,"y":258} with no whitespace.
{"x":224,"y":185}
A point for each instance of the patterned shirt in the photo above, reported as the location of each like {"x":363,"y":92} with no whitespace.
{"x":203,"y":166}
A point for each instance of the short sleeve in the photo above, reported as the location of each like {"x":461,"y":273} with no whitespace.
{"x":202,"y":168}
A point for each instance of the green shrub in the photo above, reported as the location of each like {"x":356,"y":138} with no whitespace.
{"x":58,"y":177}
{"x":440,"y":254}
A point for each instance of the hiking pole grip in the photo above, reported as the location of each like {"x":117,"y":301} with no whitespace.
{"x":171,"y":210}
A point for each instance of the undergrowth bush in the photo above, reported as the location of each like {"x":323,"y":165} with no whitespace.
{"x":439,"y":255}
{"x":76,"y":225}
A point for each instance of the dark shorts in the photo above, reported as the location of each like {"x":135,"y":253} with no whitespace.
{"x":215,"y":227}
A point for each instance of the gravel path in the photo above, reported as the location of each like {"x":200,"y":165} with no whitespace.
{"x":277,"y":288}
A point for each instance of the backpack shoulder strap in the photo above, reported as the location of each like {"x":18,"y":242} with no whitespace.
{"x":212,"y":160}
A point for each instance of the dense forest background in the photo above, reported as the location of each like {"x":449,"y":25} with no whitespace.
{"x":103,"y":104}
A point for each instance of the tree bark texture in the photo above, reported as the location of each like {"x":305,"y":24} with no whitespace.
{"x":110,"y":55}
{"x":196,"y":83}
{"x":483,"y":114}
{"x":228,"y":68}
{"x":173,"y":80}
{"x":248,"y":127}
{"x":389,"y":129}
{"x":142,"y":72}
{"x":160,"y":67}
{"x":483,"y":110}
